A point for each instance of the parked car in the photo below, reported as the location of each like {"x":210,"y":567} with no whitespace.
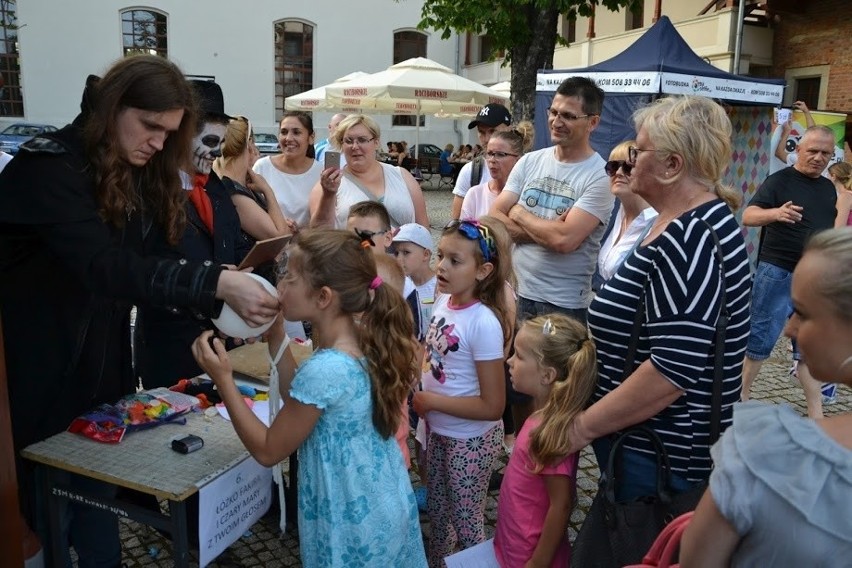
{"x":426,"y":151}
{"x":266,"y":143}
{"x":15,"y":135}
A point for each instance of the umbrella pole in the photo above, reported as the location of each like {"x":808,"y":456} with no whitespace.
{"x":417,"y":136}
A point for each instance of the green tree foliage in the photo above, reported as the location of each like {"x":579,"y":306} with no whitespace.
{"x":524,"y":30}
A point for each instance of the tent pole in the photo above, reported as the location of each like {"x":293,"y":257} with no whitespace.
{"x":738,"y":41}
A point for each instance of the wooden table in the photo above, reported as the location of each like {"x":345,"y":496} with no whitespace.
{"x":143,"y":461}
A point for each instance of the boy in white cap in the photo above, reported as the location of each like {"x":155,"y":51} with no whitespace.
{"x":413,"y":246}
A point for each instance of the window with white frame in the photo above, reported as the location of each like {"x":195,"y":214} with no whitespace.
{"x":144,"y":31}
{"x":11,"y":98}
{"x":407,"y":45}
{"x":294,"y":61}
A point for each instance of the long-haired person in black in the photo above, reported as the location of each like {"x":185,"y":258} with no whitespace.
{"x":80,"y":210}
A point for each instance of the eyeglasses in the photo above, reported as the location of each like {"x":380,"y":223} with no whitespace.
{"x":498,"y":155}
{"x":611,"y":168}
{"x":367,"y":237}
{"x":360,"y":141}
{"x":474,"y":231}
{"x":566,"y":116}
{"x":633,"y":153}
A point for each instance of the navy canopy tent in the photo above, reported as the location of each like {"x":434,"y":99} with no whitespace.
{"x":660,"y":62}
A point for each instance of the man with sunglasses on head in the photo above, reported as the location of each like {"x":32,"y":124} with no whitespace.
{"x":556,"y":204}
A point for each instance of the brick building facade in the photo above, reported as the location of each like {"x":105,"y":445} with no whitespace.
{"x":813,"y":51}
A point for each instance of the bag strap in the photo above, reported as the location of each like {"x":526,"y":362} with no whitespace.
{"x":718,"y":339}
{"x":368,"y":194}
{"x":476,"y":170}
{"x":719,"y":342}
{"x":663,"y":465}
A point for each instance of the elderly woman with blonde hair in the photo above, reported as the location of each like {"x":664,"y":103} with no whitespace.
{"x":673,"y":290}
{"x":365,"y":178}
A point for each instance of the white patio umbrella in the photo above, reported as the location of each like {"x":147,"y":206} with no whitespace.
{"x":315,"y":99}
{"x":415,"y":86}
{"x":504,"y":88}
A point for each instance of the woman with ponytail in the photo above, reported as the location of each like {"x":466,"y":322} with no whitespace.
{"x":341,"y":407}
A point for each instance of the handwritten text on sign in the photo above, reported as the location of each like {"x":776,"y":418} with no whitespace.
{"x":230,"y":505}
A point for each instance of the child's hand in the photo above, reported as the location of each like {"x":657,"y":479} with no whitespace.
{"x":422,"y":403}
{"x":216,"y":363}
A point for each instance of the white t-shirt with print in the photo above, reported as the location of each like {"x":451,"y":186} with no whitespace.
{"x":457,"y":338}
{"x":548,"y":188}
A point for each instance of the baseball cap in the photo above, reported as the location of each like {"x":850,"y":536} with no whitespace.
{"x":492,"y":114}
{"x":414,"y":233}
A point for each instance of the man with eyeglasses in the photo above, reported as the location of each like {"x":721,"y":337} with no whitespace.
{"x":556,"y":204}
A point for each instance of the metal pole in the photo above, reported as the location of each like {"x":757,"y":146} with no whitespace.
{"x":738,"y":41}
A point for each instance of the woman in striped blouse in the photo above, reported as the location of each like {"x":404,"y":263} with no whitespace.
{"x":677,"y":168}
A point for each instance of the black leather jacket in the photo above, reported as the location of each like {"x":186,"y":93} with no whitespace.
{"x":164,"y":336}
{"x":67,"y":281}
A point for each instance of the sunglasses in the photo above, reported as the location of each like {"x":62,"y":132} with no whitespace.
{"x":611,"y":168}
{"x":474,"y":231}
{"x":367,"y":237}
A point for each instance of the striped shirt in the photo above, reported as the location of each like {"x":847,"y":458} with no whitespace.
{"x":682,"y":301}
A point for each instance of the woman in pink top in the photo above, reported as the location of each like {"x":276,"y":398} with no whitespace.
{"x":505,"y":148}
{"x":555,"y":363}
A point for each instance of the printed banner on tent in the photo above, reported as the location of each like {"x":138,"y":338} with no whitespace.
{"x":718,"y":88}
{"x":652,"y":82}
{"x":629,"y":82}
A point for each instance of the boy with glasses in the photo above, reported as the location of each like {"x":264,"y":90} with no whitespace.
{"x":371,"y":222}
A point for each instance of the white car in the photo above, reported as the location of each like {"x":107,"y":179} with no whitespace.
{"x":266,"y":143}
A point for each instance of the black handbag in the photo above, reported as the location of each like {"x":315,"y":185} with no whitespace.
{"x":615,"y":534}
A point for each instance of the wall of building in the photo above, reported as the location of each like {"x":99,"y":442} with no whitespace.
{"x":816,"y":38}
{"x":62,"y":42}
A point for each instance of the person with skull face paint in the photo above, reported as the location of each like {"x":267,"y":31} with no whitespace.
{"x":212,"y":234}
{"x":88,"y":216}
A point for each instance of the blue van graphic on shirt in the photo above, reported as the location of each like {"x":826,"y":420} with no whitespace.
{"x":547,"y":197}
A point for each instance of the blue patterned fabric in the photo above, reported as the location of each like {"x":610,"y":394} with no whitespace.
{"x":356,"y":505}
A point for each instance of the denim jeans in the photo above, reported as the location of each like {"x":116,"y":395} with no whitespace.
{"x":770,"y":307}
{"x":531,"y":308}
{"x":638,"y":473}
{"x":92,"y":532}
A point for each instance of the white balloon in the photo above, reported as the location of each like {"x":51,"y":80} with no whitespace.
{"x":233,"y":325}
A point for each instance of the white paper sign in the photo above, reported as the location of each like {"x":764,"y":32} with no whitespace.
{"x":479,"y":556}
{"x":229,"y":505}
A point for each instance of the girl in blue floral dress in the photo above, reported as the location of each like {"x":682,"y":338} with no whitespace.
{"x":341,"y":407}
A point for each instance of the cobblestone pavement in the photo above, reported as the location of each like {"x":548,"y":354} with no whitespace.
{"x":261,"y":546}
